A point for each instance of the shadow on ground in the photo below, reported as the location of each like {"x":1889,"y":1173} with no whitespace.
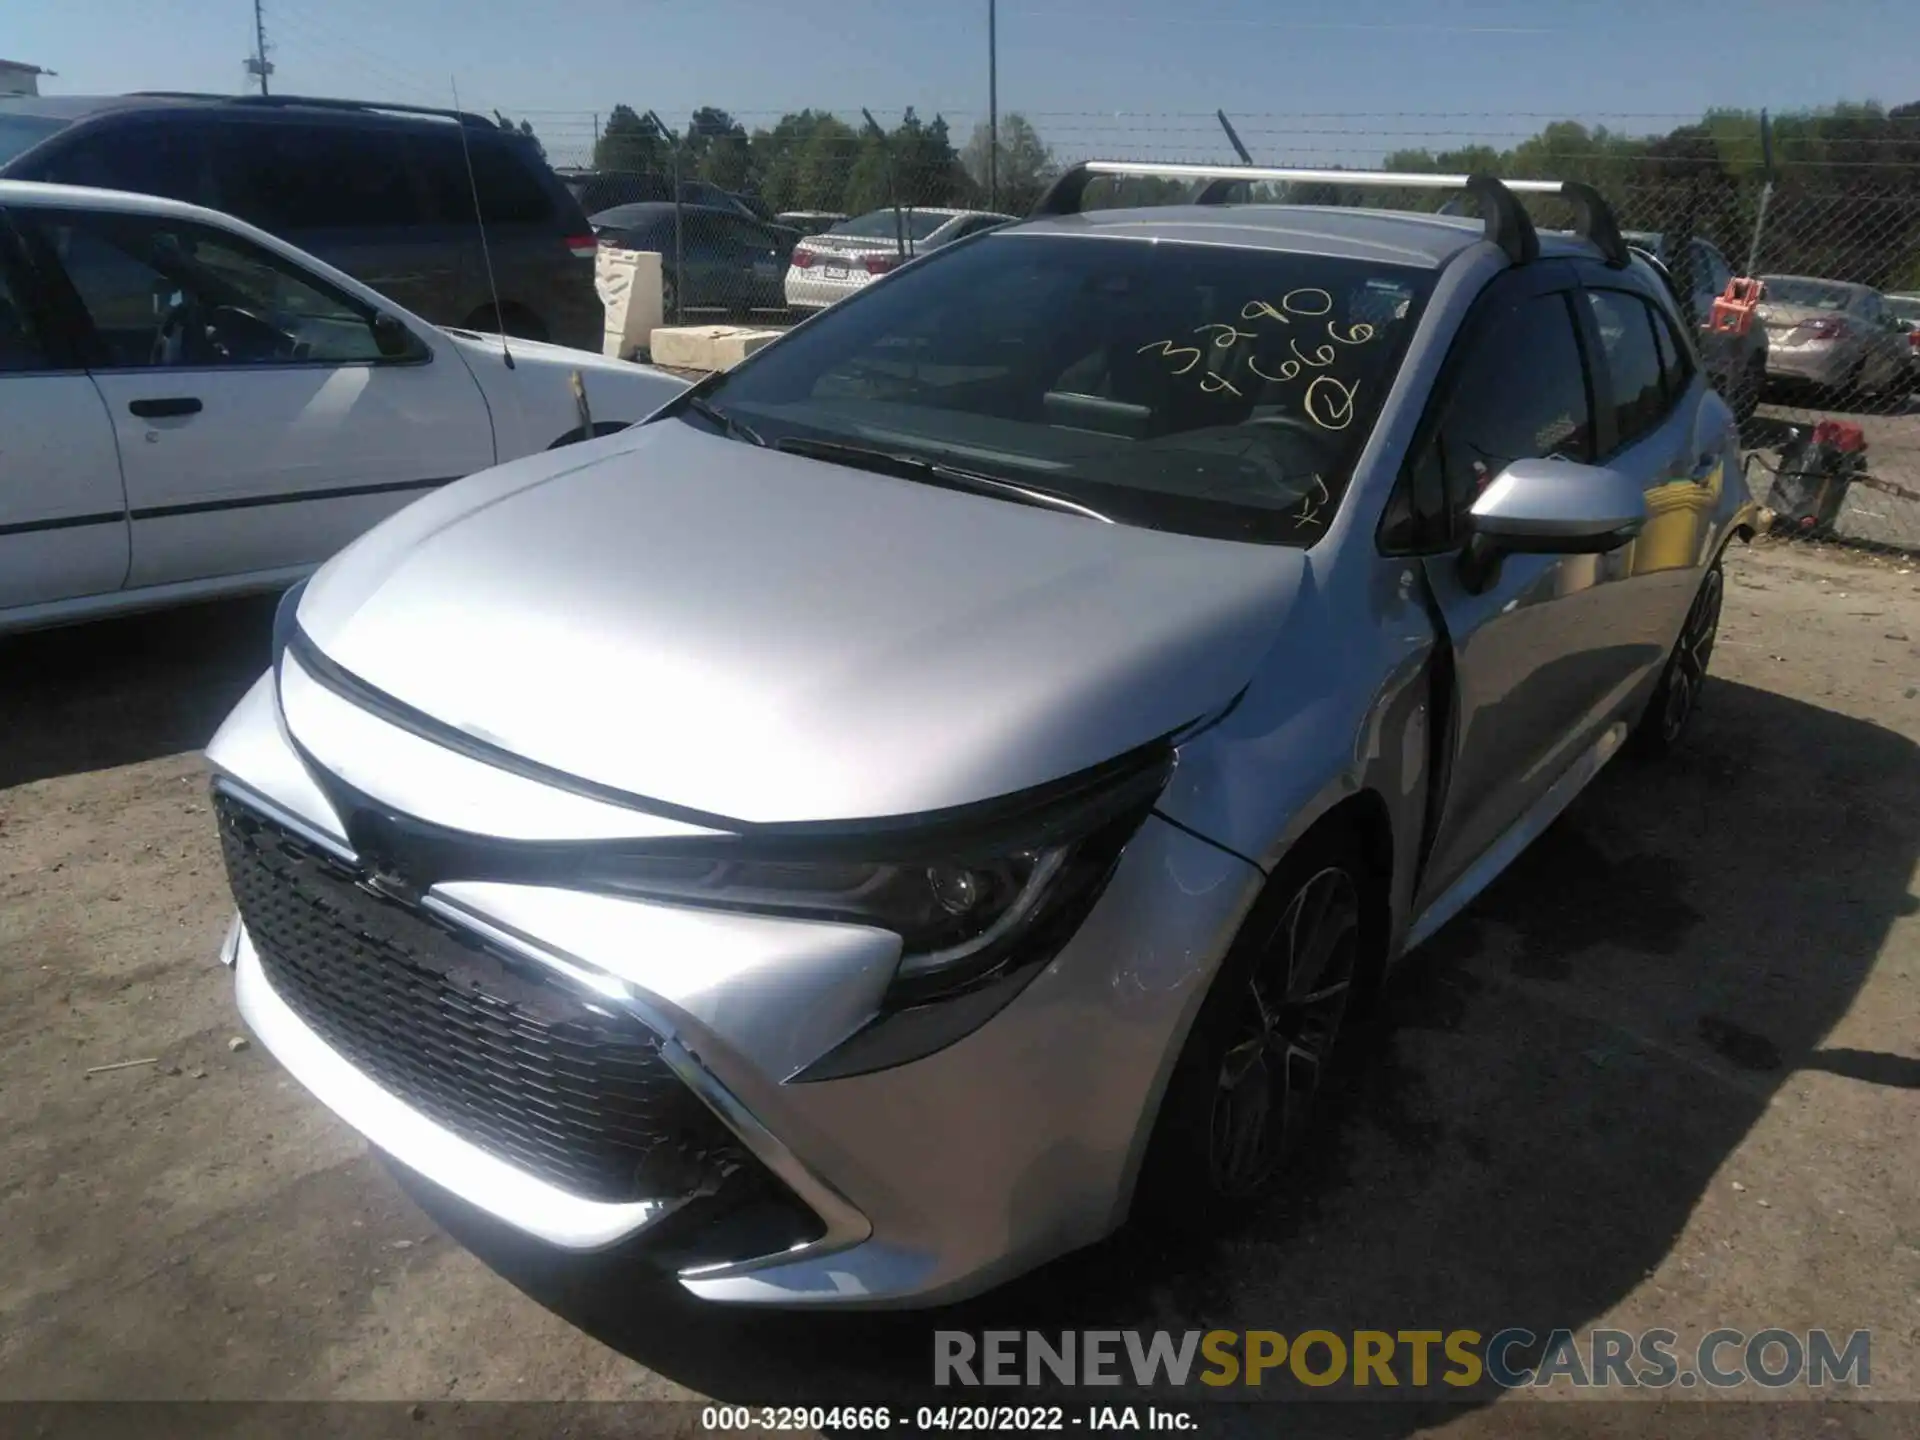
{"x":121,"y":691}
{"x":1539,"y":1103}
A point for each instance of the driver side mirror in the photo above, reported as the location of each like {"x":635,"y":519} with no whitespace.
{"x":394,"y":341}
{"x":1549,"y":507}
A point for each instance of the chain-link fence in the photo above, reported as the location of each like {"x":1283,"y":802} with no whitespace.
{"x":779,"y":215}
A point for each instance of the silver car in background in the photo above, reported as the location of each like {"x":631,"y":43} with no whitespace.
{"x":1736,"y":363}
{"x":1834,"y":334}
{"x":830,"y":267}
{"x":942,"y":786}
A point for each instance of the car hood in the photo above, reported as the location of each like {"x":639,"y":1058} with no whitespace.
{"x":769,"y":638}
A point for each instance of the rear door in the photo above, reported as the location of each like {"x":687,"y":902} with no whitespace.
{"x":63,"y":520}
{"x":1667,"y":438}
{"x":1547,"y":654}
{"x":258,"y":424}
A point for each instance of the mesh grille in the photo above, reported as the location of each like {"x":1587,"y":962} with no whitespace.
{"x":510,"y":1059}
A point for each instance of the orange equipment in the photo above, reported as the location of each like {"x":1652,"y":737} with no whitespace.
{"x":1732,"y":312}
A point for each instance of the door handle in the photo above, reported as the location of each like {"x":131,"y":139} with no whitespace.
{"x":167,"y":405}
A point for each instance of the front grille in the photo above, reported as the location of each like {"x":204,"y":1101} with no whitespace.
{"x":498,"y":1050}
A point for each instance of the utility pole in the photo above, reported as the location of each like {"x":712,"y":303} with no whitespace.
{"x":258,"y":64}
{"x":993,"y":106}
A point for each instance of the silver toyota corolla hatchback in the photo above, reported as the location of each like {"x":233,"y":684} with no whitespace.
{"x":941,"y":786}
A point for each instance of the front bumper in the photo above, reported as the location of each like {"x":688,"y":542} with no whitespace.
{"x":933,"y":1179}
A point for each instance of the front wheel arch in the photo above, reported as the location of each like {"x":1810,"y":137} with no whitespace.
{"x":1357,"y":830}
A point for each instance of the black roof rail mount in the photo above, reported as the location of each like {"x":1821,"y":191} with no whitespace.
{"x":322,"y":102}
{"x":1508,"y":224}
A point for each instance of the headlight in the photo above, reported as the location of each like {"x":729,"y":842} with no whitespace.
{"x":967,"y":899}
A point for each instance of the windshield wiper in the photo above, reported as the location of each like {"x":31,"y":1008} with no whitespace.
{"x":934,"y":472}
{"x":707,"y":410}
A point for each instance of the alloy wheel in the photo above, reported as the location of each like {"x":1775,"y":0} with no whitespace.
{"x":1688,"y":672}
{"x":1283,"y":1035}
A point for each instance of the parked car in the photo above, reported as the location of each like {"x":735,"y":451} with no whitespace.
{"x":190,"y":407}
{"x":811,"y":222}
{"x":726,"y":262}
{"x":943,"y":783}
{"x":1736,"y":364}
{"x":1905,"y":310}
{"x":1834,"y":334}
{"x":830,"y":267}
{"x":599,"y":190}
{"x":383,"y":192}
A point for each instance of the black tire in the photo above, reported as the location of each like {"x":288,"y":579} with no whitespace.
{"x":1677,"y":697}
{"x":1240,"y":1103}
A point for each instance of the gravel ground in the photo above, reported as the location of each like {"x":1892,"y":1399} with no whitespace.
{"x":1663,"y":1073}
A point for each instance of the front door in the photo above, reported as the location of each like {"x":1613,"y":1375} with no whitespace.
{"x":1548,"y":651}
{"x":63,"y":516}
{"x":259,"y":425}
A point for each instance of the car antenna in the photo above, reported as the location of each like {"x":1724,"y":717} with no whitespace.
{"x":479,"y":219}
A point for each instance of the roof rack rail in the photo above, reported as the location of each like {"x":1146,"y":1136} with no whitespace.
{"x":1508,"y":224}
{"x":321,"y":102}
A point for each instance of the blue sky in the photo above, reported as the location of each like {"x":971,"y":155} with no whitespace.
{"x":1335,"y":79}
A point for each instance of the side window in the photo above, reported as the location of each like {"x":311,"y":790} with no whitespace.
{"x":703,"y":234}
{"x":271,"y":174}
{"x":20,"y":347}
{"x":510,"y":190}
{"x":162,"y":293}
{"x":145,"y":155}
{"x":504,"y":178}
{"x":1522,"y":394}
{"x":1676,"y":364}
{"x":1633,"y":362}
{"x":745,"y":235}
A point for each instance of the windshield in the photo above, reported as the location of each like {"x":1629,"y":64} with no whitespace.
{"x":878,"y":224}
{"x":1200,"y":388}
{"x":1904,"y":307}
{"x":1816,"y":294}
{"x":20,"y":133}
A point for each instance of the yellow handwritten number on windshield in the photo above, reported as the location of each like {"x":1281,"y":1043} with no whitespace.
{"x":1170,"y":350}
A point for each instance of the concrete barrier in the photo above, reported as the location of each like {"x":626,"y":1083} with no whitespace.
{"x":706,"y":347}
{"x":629,"y":286}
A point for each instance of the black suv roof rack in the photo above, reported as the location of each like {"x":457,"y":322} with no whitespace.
{"x":1508,"y":224}
{"x":321,"y":102}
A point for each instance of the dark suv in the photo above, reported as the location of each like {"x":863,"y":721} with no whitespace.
{"x":382,"y":192}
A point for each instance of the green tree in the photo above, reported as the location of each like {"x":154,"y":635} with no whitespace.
{"x":630,"y":142}
{"x":1025,"y":167}
{"x":718,"y":150}
{"x":802,"y":163}
{"x":521,"y":127}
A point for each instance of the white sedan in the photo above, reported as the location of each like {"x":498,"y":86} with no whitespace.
{"x":830,"y":267}
{"x":190,"y":407}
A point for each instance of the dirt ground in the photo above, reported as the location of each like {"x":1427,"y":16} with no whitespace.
{"x":1663,"y":1073}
